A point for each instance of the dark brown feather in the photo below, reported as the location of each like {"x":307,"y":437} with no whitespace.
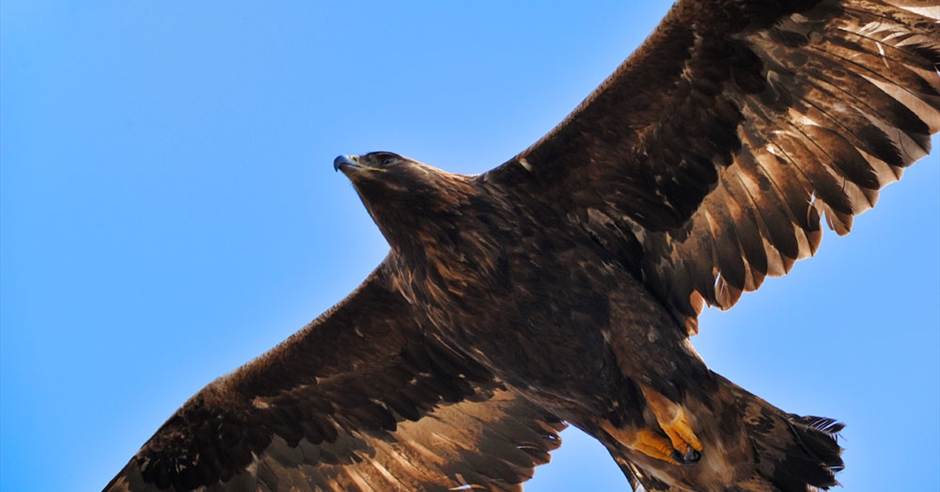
{"x":357,"y":400}
{"x":810,"y":106}
{"x":564,"y":283}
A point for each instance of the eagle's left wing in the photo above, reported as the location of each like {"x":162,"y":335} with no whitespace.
{"x":359,"y":400}
{"x":707,"y":160}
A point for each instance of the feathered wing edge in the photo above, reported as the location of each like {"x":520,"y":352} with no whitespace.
{"x":357,"y":400}
{"x":850,"y":101}
{"x":708,"y":160}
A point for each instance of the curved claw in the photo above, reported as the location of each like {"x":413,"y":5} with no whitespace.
{"x":680,"y":446}
{"x":674,"y":421}
{"x":646,"y":441}
{"x":690,"y":457}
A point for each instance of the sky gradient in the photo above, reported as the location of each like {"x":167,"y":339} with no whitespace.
{"x":169,"y":211}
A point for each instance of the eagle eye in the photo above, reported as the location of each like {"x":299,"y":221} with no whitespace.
{"x":388,"y":161}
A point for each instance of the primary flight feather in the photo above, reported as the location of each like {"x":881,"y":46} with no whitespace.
{"x":562,"y":286}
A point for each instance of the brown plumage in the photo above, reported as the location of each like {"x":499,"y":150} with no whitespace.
{"x":562,"y":286}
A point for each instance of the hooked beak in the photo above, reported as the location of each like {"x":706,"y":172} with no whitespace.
{"x":345,"y":160}
{"x":353,"y":165}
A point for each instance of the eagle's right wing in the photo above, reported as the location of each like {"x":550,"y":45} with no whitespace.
{"x":357,"y":400}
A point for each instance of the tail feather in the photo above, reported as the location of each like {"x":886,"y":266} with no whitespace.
{"x":749,"y":446}
{"x":791,"y":451}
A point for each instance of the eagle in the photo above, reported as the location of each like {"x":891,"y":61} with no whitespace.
{"x":562,"y":287}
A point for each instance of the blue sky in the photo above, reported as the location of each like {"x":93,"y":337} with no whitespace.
{"x":169,"y":211}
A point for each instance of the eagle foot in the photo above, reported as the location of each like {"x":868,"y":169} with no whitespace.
{"x":674,"y":421}
{"x":648,"y":442}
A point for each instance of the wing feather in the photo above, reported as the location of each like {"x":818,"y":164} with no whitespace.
{"x":722,"y":142}
{"x":359,"y":400}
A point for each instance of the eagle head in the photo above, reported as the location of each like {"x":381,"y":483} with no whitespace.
{"x":409,"y":200}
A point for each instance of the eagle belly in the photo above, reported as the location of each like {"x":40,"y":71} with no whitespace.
{"x":548,"y":328}
{"x":598,"y":357}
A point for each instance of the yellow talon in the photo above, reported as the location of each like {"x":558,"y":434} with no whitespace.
{"x":653,"y":445}
{"x":643,"y":440}
{"x":674,"y":421}
{"x":681,"y":434}
{"x":680,"y":445}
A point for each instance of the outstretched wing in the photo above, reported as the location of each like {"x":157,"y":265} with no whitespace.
{"x":357,"y":400}
{"x":706,"y":161}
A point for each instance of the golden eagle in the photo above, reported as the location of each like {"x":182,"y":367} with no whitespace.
{"x":563,"y":285}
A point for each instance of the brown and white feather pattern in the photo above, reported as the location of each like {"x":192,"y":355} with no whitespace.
{"x":358,"y":400}
{"x":861,"y":97}
{"x":492,"y":444}
{"x":707,"y":160}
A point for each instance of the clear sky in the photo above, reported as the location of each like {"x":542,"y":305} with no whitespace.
{"x":169,"y":211}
